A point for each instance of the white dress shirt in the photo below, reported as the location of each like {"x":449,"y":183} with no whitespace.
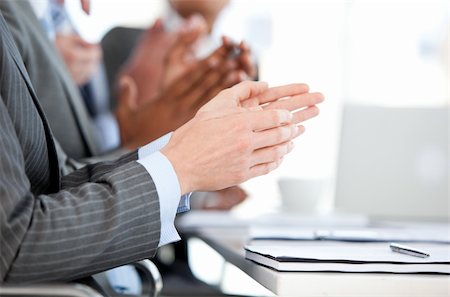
{"x":167,"y":186}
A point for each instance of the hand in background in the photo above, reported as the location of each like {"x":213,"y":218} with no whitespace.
{"x":140,"y":123}
{"x":161,"y":57}
{"x":243,"y":132}
{"x":82,"y":58}
{"x":241,"y":53}
{"x":224,"y":199}
{"x":85,"y":5}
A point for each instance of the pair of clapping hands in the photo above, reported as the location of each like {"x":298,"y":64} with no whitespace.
{"x":243,"y":132}
{"x":223,"y":135}
{"x":164,"y":84}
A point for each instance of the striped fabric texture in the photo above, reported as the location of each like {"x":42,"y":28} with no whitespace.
{"x":58,"y":95}
{"x":56,"y":227}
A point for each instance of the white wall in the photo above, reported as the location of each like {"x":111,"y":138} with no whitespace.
{"x":371,"y":52}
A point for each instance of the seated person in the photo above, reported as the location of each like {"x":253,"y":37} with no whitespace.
{"x":58,"y":227}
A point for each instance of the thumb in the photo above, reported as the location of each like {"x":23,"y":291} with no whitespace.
{"x":247,"y":89}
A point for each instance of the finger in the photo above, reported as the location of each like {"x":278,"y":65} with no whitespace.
{"x":227,"y":81}
{"x":276,"y":93}
{"x":247,"y":65}
{"x":192,"y":29}
{"x":228,"y":43}
{"x":260,"y":120}
{"x":262,"y":169}
{"x":196,"y":72}
{"x":247,"y":89}
{"x":156,"y":27}
{"x":275,"y":136}
{"x":83,"y":43}
{"x":86,"y":6}
{"x":271,"y":154}
{"x":245,"y":60}
{"x":217,"y":80}
{"x":296,"y":102}
{"x":305,"y":114}
{"x":197,"y":96}
{"x":84,"y":56}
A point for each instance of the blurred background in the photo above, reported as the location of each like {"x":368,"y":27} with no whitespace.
{"x":382,"y":53}
{"x":389,"y":56}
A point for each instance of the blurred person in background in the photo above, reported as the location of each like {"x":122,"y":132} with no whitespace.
{"x":69,"y":115}
{"x":120,"y":56}
{"x":45,"y":201}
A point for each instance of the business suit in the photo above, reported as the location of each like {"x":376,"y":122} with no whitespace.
{"x":58,"y":95}
{"x":57,"y":227}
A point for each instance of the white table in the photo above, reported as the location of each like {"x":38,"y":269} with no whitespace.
{"x":229,"y":241}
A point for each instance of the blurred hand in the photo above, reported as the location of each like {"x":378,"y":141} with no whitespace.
{"x":140,"y":123}
{"x":242,"y":56}
{"x":243,"y":132}
{"x":161,"y":57}
{"x":224,"y":199}
{"x":85,"y":5}
{"x":81,"y":58}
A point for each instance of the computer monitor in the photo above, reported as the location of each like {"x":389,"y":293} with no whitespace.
{"x":393,"y":163}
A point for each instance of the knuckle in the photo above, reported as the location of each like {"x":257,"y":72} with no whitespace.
{"x":278,"y":152}
{"x":283,"y":134}
{"x":315,"y":110}
{"x":301,"y":117}
{"x":276,"y":116}
{"x":268,"y":168}
{"x":279,"y":135}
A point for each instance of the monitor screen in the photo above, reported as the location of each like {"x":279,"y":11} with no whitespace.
{"x":393,"y":162}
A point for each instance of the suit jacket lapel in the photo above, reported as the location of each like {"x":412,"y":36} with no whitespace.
{"x":72,"y":92}
{"x":53,"y":158}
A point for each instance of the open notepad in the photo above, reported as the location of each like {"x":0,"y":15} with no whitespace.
{"x":348,"y":257}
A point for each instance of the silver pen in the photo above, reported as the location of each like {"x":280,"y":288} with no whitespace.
{"x":408,"y":250}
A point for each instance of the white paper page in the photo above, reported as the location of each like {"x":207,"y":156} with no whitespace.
{"x":441,"y":235}
{"x":344,"y":251}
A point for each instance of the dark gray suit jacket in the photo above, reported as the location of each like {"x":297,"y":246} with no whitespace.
{"x":55,"y":227}
{"x":58,"y":95}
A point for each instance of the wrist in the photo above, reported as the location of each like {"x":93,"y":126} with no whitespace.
{"x":181,"y":173}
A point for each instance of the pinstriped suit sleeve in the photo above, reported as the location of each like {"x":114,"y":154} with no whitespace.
{"x":108,"y":221}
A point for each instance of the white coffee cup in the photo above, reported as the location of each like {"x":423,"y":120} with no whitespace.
{"x":302,"y":195}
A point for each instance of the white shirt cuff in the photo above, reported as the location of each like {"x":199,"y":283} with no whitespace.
{"x":154,"y":146}
{"x":168,"y":187}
